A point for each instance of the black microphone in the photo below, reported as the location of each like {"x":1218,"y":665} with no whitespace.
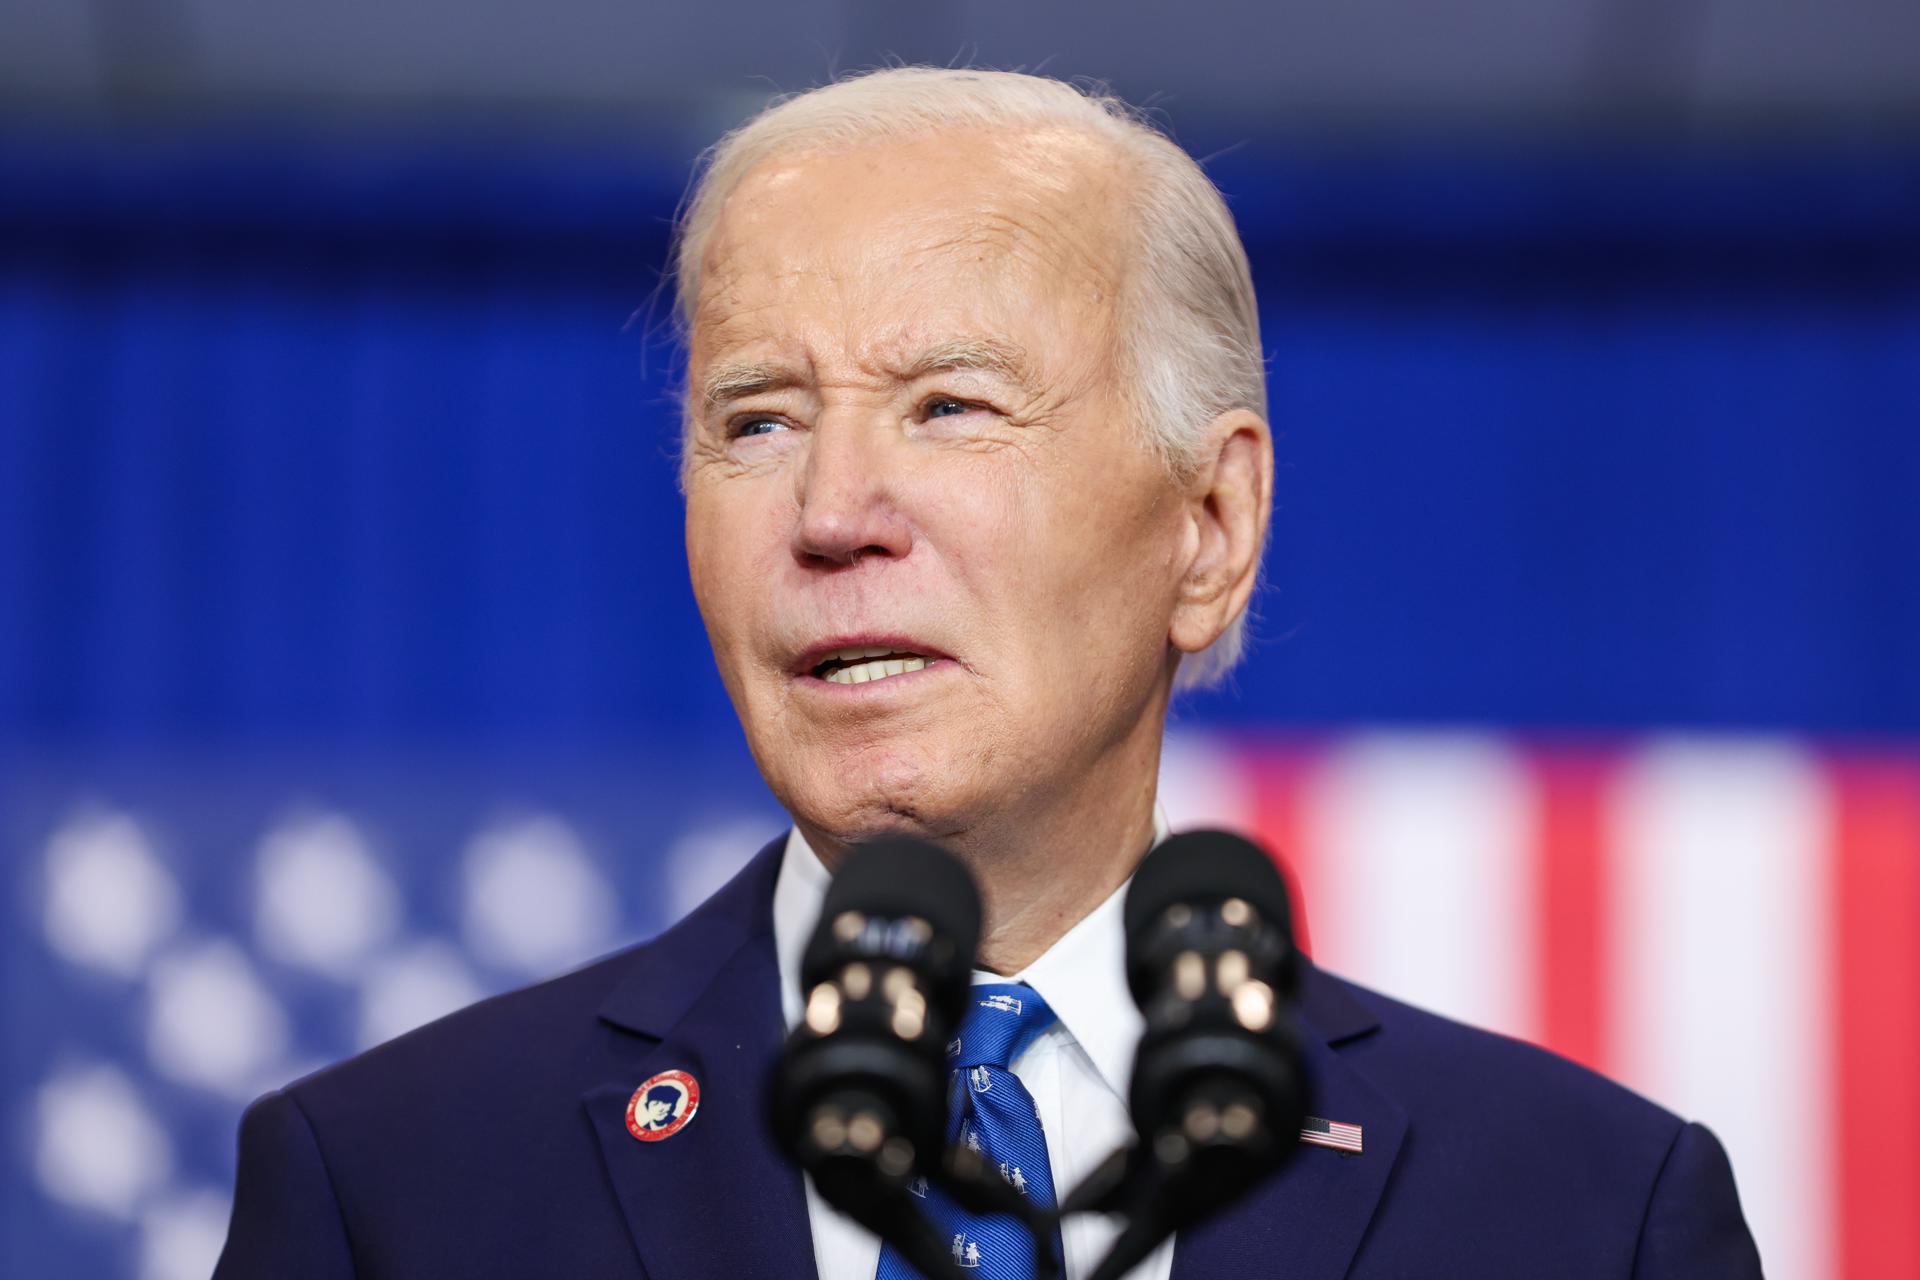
{"x":859,"y":1097}
{"x":1218,"y":1093}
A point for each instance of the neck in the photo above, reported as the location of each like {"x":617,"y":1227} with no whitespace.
{"x":1044,"y":866}
{"x":1032,"y":896}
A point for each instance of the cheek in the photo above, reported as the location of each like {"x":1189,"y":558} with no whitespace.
{"x":973,"y":515}
{"x":1066,"y":570}
{"x":726,"y":551}
{"x":1107,"y":550}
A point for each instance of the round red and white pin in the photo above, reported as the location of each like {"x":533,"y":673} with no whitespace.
{"x":662,"y":1106}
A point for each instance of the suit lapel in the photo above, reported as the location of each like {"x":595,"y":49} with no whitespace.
{"x":717,"y":1197}
{"x":1307,"y":1222}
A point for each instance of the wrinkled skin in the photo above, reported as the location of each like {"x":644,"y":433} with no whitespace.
{"x":907,"y":423}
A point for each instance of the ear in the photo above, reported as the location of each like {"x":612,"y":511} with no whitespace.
{"x":1229,"y":499}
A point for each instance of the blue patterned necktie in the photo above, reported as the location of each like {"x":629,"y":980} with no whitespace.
{"x":994,"y":1114}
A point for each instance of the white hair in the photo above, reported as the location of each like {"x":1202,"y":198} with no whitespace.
{"x":1189,"y":330}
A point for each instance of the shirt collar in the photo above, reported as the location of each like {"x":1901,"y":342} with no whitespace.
{"x":1082,"y":976}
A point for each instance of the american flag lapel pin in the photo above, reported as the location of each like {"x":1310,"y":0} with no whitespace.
{"x":1331,"y":1133}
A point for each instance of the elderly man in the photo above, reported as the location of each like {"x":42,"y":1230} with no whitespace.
{"x":976,"y":476}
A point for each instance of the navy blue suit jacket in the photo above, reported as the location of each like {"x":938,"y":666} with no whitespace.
{"x":493,"y":1143}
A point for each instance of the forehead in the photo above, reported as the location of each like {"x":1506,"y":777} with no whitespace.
{"x":897,"y":243}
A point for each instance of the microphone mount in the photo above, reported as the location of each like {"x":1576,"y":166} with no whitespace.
{"x":860,"y":1097}
{"x":1218,"y":1092}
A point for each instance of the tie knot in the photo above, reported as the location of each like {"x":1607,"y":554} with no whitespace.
{"x":1003,"y":1018}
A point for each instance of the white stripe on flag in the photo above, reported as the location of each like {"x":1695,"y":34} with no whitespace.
{"x":1719,"y":944}
{"x":1422,"y":856}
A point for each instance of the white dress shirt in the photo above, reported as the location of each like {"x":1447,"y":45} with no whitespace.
{"x":1077,"y":1070}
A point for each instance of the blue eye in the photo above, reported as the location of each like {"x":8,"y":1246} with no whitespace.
{"x":758,"y":427}
{"x":943,"y":407}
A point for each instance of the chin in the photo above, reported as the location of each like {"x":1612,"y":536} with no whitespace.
{"x":885,"y":792}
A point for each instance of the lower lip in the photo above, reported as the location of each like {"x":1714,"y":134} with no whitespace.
{"x":876,"y":688}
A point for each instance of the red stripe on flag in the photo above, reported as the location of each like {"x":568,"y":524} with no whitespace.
{"x":1277,"y":775}
{"x":1570,"y":921}
{"x":1877,"y":1009}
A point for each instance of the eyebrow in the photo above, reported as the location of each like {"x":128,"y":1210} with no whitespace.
{"x":995,"y":356}
{"x":732,"y":382}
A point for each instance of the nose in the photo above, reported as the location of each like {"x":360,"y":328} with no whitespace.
{"x":848,"y":497}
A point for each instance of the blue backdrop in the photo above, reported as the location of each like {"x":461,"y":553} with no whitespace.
{"x":378,"y":441}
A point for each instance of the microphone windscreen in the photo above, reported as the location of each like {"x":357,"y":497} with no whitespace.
{"x":898,"y":876}
{"x":1197,"y":867}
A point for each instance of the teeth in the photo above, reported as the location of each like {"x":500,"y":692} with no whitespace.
{"x":861,"y":672}
{"x":854,"y":655}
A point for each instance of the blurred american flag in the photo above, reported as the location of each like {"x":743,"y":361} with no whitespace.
{"x":1730,"y":925}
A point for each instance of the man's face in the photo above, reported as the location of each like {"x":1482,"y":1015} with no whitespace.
{"x":909,"y":438}
{"x":658,"y":1109}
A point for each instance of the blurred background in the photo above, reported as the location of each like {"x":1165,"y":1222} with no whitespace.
{"x":349,"y":671}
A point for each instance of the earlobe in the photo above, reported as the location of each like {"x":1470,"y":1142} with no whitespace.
{"x":1230,"y":498}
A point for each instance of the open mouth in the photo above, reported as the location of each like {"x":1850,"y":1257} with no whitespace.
{"x":864,"y":665}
